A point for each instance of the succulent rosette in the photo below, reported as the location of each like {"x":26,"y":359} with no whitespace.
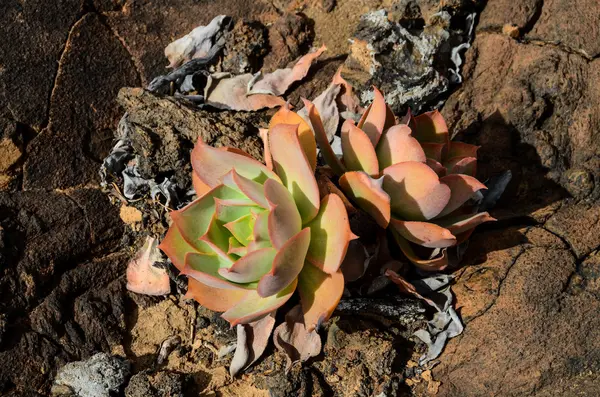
{"x":256,"y":234}
{"x":408,"y":176}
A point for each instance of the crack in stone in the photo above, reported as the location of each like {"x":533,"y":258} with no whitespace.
{"x":139,"y":67}
{"x":83,"y":14}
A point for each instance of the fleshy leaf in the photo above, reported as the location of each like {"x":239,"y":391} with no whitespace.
{"x":253,"y":306}
{"x":205,"y":268}
{"x":193,"y":220}
{"x":461,"y":223}
{"x":253,"y":190}
{"x":437,"y":167}
{"x":326,"y":105}
{"x":210,"y":164}
{"x":397,"y":145}
{"x":433,"y":150}
{"x":373,"y":120}
{"x":236,"y":248}
{"x":284,"y":220}
{"x":464,"y":165}
{"x":200,"y":187}
{"x":439,"y":262}
{"x":142,"y":276}
{"x":461,"y":149}
{"x":329,"y":235}
{"x":359,"y":153}
{"x":230,"y":210}
{"x":287,"y":264}
{"x":264,"y":136}
{"x":242,"y":228}
{"x":415,"y":191}
{"x":305,"y":134}
{"x":250,"y":267}
{"x":426,"y":234}
{"x":368,"y":194}
{"x":176,"y":247}
{"x":292,"y":166}
{"x":462,"y":188}
{"x":430,"y":127}
{"x":252,"y":340}
{"x":320,"y":294}
{"x":215,"y":299}
{"x":294,"y":340}
{"x":321,"y":136}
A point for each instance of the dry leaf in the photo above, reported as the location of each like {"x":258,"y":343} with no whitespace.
{"x":292,"y":338}
{"x":278,"y":82}
{"x":252,"y":340}
{"x":253,"y":92}
{"x":195,"y":44}
{"x":142,"y":276}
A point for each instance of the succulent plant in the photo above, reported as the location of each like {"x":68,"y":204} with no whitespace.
{"x":257,"y":233}
{"x":408,"y":176}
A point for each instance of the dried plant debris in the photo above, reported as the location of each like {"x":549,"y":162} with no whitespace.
{"x":198,"y":78}
{"x":252,"y":340}
{"x":197,"y":43}
{"x":413,"y":58}
{"x":142,"y":276}
{"x":293,"y":339}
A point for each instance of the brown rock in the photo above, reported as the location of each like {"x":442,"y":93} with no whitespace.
{"x":33,"y":34}
{"x":498,"y":13}
{"x":579,"y":225}
{"x":570,"y":24}
{"x":289,"y":38}
{"x":538,"y":101}
{"x":537,"y":332}
{"x":83,"y":112}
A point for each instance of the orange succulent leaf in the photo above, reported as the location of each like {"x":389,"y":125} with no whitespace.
{"x":253,"y":307}
{"x":284,"y":220}
{"x":368,"y":194}
{"x":216,"y":299}
{"x":433,"y":150}
{"x":415,"y":191}
{"x":430,"y":127}
{"x":287,"y":264}
{"x":320,"y":294}
{"x":264,"y":136}
{"x":210,"y":164}
{"x":199,"y":187}
{"x":461,"y":149}
{"x":397,"y":145}
{"x":250,"y":267}
{"x":439,"y":262}
{"x":462,"y":188}
{"x":253,"y":190}
{"x":359,"y":153}
{"x":321,"y":137}
{"x":458,"y":224}
{"x":437,"y":167}
{"x":292,"y":166}
{"x":175,"y":247}
{"x":373,"y":120}
{"x":425,"y":234}
{"x":330,"y":235}
{"x":462,"y":165}
{"x":305,"y":135}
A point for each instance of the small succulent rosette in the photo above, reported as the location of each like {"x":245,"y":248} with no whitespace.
{"x":257,"y":233}
{"x":409,"y":177}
